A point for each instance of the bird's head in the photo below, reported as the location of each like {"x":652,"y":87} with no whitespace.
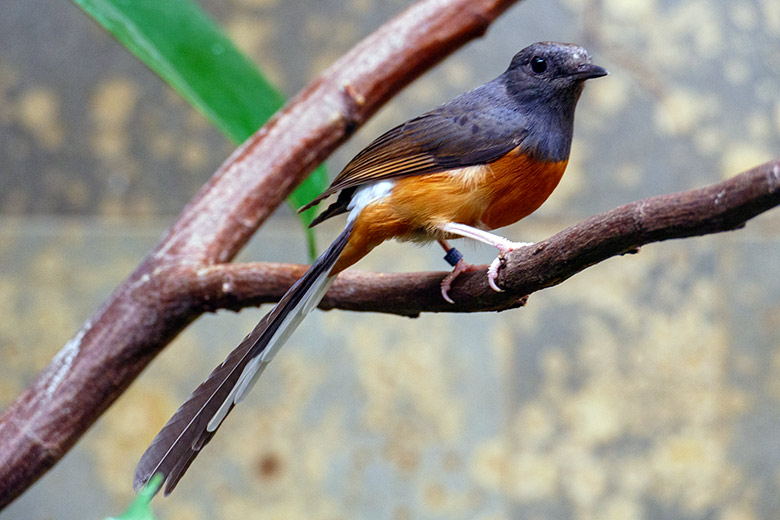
{"x":551,"y":70}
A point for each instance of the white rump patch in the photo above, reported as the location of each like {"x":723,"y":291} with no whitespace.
{"x":367,"y":194}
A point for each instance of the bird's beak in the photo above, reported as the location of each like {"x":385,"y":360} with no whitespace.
{"x":589,"y":71}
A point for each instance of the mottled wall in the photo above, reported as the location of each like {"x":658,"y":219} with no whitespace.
{"x":646,"y":387}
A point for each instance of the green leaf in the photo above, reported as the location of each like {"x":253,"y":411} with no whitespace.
{"x":305,"y":193}
{"x":180,"y":42}
{"x":139,"y":509}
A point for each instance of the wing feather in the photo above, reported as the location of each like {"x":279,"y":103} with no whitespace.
{"x":467,"y":131}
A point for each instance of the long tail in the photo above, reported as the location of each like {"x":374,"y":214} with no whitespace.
{"x":195,"y":422}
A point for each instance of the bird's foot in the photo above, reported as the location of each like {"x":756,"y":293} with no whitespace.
{"x":461,"y":266}
{"x":495,"y":265}
{"x":508,"y":247}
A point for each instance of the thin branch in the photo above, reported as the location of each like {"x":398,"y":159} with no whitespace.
{"x":720,"y":207}
{"x":152,"y":306}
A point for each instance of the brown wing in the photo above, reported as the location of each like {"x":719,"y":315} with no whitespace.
{"x":397,"y":152}
{"x":468,"y":130}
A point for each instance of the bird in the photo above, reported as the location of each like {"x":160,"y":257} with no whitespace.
{"x":483,"y":160}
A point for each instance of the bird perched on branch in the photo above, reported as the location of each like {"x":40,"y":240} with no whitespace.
{"x":482,"y":161}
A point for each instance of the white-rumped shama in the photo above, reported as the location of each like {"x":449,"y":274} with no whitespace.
{"x":484,"y":160}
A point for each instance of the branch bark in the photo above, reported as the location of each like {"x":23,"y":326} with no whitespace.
{"x":152,"y":306}
{"x":720,"y":207}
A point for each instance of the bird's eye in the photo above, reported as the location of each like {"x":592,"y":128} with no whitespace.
{"x":538,"y":65}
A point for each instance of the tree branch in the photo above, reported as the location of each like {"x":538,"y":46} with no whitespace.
{"x":152,"y":306}
{"x":720,"y":207}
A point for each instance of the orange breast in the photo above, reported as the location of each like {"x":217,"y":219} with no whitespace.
{"x":487,"y":197}
{"x":518,"y":187}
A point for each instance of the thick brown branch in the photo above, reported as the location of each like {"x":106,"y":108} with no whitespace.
{"x":720,"y":207}
{"x":152,"y":306}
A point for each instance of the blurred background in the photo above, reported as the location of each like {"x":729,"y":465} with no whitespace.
{"x":646,"y":387}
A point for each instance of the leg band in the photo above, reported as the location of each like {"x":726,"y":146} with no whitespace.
{"x":453,"y":256}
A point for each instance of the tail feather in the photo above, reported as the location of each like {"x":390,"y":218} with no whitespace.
{"x":195,"y":422}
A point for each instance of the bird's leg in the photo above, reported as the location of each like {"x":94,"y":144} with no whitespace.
{"x":459,"y":265}
{"x":503,"y":245}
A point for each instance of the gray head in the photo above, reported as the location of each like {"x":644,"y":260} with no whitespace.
{"x":544,"y":82}
{"x":550,"y":72}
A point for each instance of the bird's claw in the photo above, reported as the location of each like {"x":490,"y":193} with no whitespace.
{"x":445,"y":288}
{"x":495,"y":265}
{"x":446,"y":283}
